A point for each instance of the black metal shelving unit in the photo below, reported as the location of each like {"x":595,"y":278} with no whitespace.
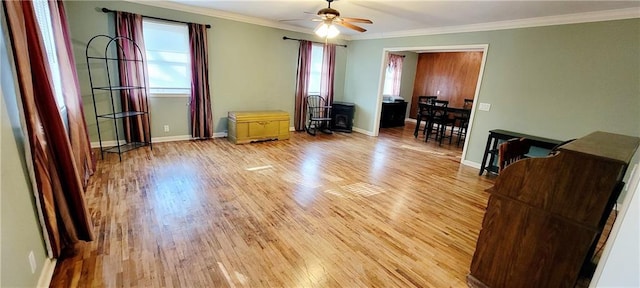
{"x":108,"y":62}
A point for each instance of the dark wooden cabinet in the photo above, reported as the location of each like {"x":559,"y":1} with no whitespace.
{"x":545,"y":215}
{"x":393,"y":114}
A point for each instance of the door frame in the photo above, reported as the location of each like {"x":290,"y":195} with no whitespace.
{"x":432,"y":49}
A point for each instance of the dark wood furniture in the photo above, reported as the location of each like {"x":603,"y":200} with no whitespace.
{"x":393,"y":114}
{"x":318,"y":115}
{"x":498,"y":136}
{"x":511,"y":151}
{"x":422,"y":108}
{"x":439,"y":120}
{"x":342,"y":116}
{"x":545,"y":215}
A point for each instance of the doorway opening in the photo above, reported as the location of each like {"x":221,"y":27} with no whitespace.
{"x":417,"y":51}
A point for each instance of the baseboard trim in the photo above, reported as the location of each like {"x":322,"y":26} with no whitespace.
{"x":471,"y":164}
{"x":362,"y":131}
{"x":170,"y":138}
{"x":48,"y":267}
{"x":112,"y":143}
{"x":109,"y":143}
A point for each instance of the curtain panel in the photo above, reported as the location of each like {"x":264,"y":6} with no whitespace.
{"x":78,"y":135}
{"x":201,"y":115}
{"x":58,"y":183}
{"x":302,"y":83}
{"x":395,"y":64}
{"x":328,"y":72}
{"x":132,"y":73}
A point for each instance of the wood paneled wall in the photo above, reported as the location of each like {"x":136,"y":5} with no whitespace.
{"x":455,"y":74}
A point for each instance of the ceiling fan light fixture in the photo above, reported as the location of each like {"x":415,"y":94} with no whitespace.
{"x":327,"y":30}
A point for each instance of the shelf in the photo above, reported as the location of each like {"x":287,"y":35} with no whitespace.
{"x":125,"y":147}
{"x":113,"y":112}
{"x":112,"y":59}
{"x":119,"y":115}
{"x":110,"y":88}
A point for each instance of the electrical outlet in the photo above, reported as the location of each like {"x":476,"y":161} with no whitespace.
{"x":484,"y":107}
{"x":32,"y":262}
{"x":166,"y":128}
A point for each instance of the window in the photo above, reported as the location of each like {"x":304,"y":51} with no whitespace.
{"x":317,"y":51}
{"x":43,"y":16}
{"x":392,"y":76}
{"x":388,"y":81}
{"x":168,"y":61}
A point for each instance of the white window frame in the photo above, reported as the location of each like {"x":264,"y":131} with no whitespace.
{"x":182,"y":92}
{"x":317,"y":50}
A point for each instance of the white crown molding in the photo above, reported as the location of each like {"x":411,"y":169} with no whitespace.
{"x":597,"y":16}
{"x":226,"y":15}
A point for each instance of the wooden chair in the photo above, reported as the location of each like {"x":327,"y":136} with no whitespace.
{"x":461,"y":121}
{"x":511,"y":151}
{"x":318,"y":115}
{"x":439,"y":121}
{"x":423,"y":113}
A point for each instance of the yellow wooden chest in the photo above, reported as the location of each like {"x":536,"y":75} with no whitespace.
{"x":252,"y":126}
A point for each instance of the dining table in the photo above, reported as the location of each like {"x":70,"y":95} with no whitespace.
{"x":452,"y":111}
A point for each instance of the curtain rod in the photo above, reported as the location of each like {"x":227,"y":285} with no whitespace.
{"x":106,"y":10}
{"x":289,"y":38}
{"x":398,"y":55}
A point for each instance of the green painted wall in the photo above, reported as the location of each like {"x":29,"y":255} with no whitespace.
{"x":250,"y":66}
{"x":20,"y":232}
{"x":409,"y":66}
{"x":560,"y":82}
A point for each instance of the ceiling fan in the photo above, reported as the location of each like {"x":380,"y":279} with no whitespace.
{"x":331,"y":17}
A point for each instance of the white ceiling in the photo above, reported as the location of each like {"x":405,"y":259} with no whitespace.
{"x":398,"y":18}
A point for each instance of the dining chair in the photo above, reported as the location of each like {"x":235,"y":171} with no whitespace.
{"x":511,"y":151}
{"x":423,"y":113}
{"x":439,"y":121}
{"x":462,"y":121}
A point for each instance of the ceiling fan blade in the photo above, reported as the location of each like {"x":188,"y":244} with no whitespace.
{"x":350,"y":26}
{"x":292,"y":20}
{"x":356,"y":20}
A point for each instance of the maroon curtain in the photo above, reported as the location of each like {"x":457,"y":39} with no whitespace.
{"x":133,"y":73}
{"x":395,"y":64}
{"x":77,"y":125}
{"x":201,"y":116}
{"x":328,"y":72}
{"x":302,"y":82}
{"x":59,"y":195}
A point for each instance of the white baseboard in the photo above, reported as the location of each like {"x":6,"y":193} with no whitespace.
{"x":170,"y":138}
{"x":362,"y":131}
{"x":48,"y":267}
{"x":471,"y":164}
{"x":109,"y":143}
{"x":112,"y":143}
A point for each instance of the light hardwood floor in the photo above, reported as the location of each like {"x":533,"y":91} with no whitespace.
{"x":341,"y":210}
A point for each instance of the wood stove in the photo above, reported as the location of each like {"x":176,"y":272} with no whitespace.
{"x":342,"y":116}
